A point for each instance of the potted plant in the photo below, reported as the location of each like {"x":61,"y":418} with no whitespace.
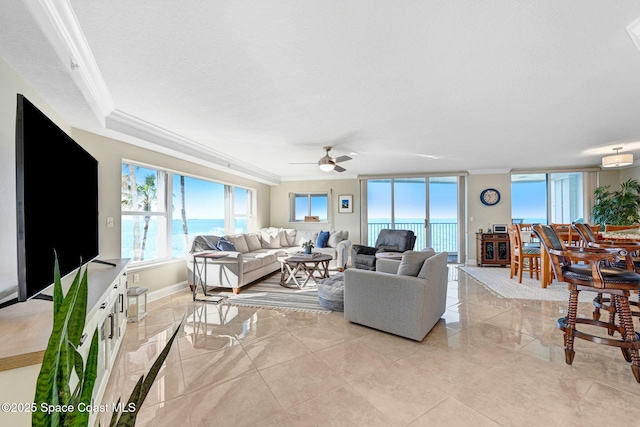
{"x":62,"y":359}
{"x":308,"y":246}
{"x":618,"y":207}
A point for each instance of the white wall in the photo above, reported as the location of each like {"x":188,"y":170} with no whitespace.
{"x":480,"y":216}
{"x":337,"y":221}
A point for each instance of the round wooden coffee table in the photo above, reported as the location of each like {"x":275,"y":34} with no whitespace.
{"x":295,"y":264}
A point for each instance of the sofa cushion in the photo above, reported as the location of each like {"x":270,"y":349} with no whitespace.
{"x":335,"y":237}
{"x":250,"y":264}
{"x":323,"y":238}
{"x":412,"y":262}
{"x":239,"y":242}
{"x":270,"y":238}
{"x":288,"y":237}
{"x":253,"y":242}
{"x":225,"y":245}
{"x":304,"y":236}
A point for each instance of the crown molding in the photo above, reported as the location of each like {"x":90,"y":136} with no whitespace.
{"x":58,"y":23}
{"x":120,"y":121}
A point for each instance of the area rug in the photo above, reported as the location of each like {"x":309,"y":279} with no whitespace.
{"x":267,"y":293}
{"x":497,"y":280}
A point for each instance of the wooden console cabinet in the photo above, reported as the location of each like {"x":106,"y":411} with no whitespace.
{"x":25,"y":329}
{"x":493,"y":249}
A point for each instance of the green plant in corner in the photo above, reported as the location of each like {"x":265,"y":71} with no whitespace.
{"x":618,"y":207}
{"x":61,"y":359}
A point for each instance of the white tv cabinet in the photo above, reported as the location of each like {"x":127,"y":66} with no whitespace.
{"x":25,"y":329}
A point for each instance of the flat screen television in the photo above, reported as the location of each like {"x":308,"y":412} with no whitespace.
{"x":57,"y":201}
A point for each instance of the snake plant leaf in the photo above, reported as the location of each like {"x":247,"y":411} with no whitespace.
{"x":114,"y":416}
{"x":58,"y":295}
{"x":87,"y":382}
{"x":79,"y":313}
{"x":144,"y":384}
{"x":50,"y":382}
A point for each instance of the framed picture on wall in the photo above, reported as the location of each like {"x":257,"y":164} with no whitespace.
{"x":345,"y":203}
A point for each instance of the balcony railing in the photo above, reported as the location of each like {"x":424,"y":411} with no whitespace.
{"x":444,"y":235}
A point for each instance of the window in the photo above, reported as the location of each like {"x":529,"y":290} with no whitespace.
{"x":548,"y":198}
{"x":163,"y":211}
{"x":144,"y":213}
{"x":308,"y":204}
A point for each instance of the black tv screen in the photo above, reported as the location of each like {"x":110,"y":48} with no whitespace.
{"x":57,"y":201}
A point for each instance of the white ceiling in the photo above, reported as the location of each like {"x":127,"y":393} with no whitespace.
{"x":480,"y":85}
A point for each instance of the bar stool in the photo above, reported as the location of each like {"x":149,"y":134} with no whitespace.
{"x":596,"y":276}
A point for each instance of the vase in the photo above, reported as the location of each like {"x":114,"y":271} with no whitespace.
{"x":307,"y":250}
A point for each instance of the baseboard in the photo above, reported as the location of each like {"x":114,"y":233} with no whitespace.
{"x":166,"y":291}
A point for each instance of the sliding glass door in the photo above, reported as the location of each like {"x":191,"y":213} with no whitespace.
{"x":426,"y":205}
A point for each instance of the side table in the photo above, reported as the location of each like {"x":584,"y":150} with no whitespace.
{"x":200,"y":274}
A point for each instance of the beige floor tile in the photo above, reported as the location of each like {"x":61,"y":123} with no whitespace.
{"x":490,"y":361}
{"x":274,"y":349}
{"x":401,"y":393}
{"x":165,"y":414}
{"x":452,"y":413}
{"x":242,"y":401}
{"x":300,"y":379}
{"x":215,"y":367}
{"x":340,"y":407}
{"x":353,"y":359}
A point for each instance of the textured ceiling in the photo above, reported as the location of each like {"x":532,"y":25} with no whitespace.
{"x":478,"y":85}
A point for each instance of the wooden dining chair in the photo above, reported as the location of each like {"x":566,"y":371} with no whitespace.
{"x":529,"y":252}
{"x":512,"y":230}
{"x":596,"y":276}
{"x":631,"y":262}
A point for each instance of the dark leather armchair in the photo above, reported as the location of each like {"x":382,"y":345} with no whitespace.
{"x":364,"y":257}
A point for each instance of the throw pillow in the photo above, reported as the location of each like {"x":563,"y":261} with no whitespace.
{"x":253,"y":242}
{"x":225,"y":245}
{"x":323,"y":238}
{"x":304,"y":236}
{"x":334,"y":238}
{"x":239,"y":242}
{"x":270,"y":239}
{"x":289,"y":235}
{"x":412,"y":262}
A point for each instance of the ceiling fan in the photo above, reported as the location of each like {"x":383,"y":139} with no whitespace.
{"x":328,"y":163}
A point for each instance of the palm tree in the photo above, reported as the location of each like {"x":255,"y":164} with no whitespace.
{"x":183,"y":211}
{"x":148,"y":191}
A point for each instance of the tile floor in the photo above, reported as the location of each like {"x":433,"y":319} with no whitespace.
{"x":489,"y":362}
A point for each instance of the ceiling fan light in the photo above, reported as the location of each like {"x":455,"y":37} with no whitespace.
{"x":326,"y":167}
{"x":617,"y":160}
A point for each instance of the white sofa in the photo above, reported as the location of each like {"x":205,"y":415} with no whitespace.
{"x":256,"y":255}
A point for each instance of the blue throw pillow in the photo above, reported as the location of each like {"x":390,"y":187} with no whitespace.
{"x":323,"y":238}
{"x":225,"y":245}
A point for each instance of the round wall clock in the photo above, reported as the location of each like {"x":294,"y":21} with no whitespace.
{"x":490,"y":196}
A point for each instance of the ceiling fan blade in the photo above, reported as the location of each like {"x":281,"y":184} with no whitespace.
{"x":339,"y":169}
{"x":341,"y":159}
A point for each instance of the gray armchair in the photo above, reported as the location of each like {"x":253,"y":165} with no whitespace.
{"x":404,"y":305}
{"x":364,"y":257}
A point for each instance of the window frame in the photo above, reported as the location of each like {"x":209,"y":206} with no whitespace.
{"x":308,"y":195}
{"x":165,"y":234}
